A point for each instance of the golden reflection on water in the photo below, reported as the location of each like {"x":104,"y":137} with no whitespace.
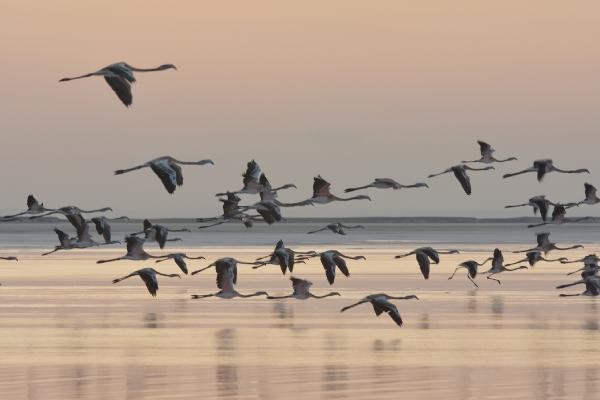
{"x":67,"y":332}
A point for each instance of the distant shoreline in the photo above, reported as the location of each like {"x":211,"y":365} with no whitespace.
{"x":324,"y":221}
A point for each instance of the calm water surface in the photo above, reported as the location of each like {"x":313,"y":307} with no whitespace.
{"x":67,"y":332}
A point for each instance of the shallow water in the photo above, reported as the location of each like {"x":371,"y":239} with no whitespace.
{"x":67,"y":332}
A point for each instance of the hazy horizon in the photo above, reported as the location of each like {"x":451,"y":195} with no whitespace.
{"x":396,"y":89}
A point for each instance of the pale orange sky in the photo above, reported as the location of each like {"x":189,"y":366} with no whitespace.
{"x":349,"y":89}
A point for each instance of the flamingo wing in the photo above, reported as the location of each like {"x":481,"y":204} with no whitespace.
{"x":121,"y":87}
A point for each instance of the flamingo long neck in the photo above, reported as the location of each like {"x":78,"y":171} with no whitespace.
{"x":145,"y":69}
{"x":325,"y":295}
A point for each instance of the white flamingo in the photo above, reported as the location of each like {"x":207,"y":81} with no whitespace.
{"x":544,"y":166}
{"x":226,"y":269}
{"x":179,"y":259}
{"x":381,"y":304}
{"x":386,"y":183}
{"x":544,"y":244}
{"x":148,"y":275}
{"x":472,"y":269}
{"x":33,"y":207}
{"x":559,"y":216}
{"x":135,"y":251}
{"x":337,"y":228}
{"x":487,"y":154}
{"x":498,"y":266}
{"x":460,"y":172}
{"x":302,"y":291}
{"x":167,"y":169}
{"x":539,"y":203}
{"x":424,"y":257}
{"x":119,"y":77}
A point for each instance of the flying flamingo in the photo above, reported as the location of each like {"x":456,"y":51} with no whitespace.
{"x":232,"y":211}
{"x":135,"y":251}
{"x":381,"y":304}
{"x":539,"y":203}
{"x":322,"y":194}
{"x":167,"y":169}
{"x":534,"y":256}
{"x":119,"y":77}
{"x":338,"y":228}
{"x":544,"y":244}
{"x":302,"y":291}
{"x":498,"y":266}
{"x":460,"y":172}
{"x":544,"y":166}
{"x":148,"y":275}
{"x":226,"y":279}
{"x":33,"y":207}
{"x":154,"y":232}
{"x":284,"y":257}
{"x":592,"y":286}
{"x":487,"y":154}
{"x":559,"y":216}
{"x":179,"y":259}
{"x":71,"y":210}
{"x":9,"y":258}
{"x":386,"y":183}
{"x":252,"y":181}
{"x":591,"y":196}
{"x":472,"y":267}
{"x":103,"y":227}
{"x":424,"y":255}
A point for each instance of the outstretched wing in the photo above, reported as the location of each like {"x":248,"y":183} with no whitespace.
{"x":167,"y":175}
{"x":321,"y":187}
{"x":121,"y":87}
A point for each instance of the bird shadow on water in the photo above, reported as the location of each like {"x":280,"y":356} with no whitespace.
{"x":335,"y":381}
{"x":497,"y":311}
{"x":283,"y":314}
{"x":226,"y":375}
{"x":151,"y":320}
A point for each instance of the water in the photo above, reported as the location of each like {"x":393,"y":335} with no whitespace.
{"x":67,"y":332}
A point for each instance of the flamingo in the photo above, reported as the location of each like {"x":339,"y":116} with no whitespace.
{"x":460,"y":172}
{"x":539,"y":203}
{"x":590,"y":259}
{"x":167,"y":169}
{"x":284,"y":257}
{"x":9,"y":258}
{"x":322,"y":194}
{"x":179,"y":259}
{"x":532,"y":257}
{"x":226,"y":279}
{"x":591,"y":197}
{"x":424,"y":255}
{"x":119,"y":77}
{"x":559,"y":217}
{"x":544,"y":166}
{"x":159,"y":233}
{"x":148,"y":275}
{"x":386,"y":183}
{"x":544,"y":244}
{"x":472,"y":267}
{"x":381,"y":304}
{"x":83,"y":239}
{"x":592,"y":286}
{"x":232,"y":211}
{"x":252,"y":181}
{"x":103,"y":226}
{"x":331,"y":259}
{"x":135,"y":251}
{"x":302,"y":291}
{"x":33,"y":207}
{"x":498,"y":266}
{"x":338,"y":228}
{"x":71,"y":210}
{"x":487,"y":154}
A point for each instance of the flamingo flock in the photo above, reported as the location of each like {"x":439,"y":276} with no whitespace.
{"x":268,"y":209}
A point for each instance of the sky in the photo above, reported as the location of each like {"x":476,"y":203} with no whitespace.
{"x":351,"y":90}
